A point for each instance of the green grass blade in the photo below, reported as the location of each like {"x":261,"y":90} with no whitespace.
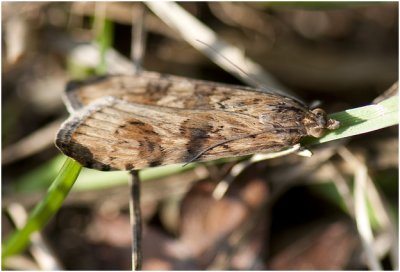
{"x":45,"y":210}
{"x":362,"y":120}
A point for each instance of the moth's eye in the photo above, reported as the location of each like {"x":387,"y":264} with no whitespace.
{"x":320,"y":117}
{"x":319,"y":112}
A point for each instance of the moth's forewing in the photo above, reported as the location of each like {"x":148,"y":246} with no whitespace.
{"x":132,"y":122}
{"x":151,"y":88}
{"x":112,"y":134}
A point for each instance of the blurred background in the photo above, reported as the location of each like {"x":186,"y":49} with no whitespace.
{"x":286,"y":213}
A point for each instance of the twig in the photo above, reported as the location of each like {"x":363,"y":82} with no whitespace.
{"x":137,"y":51}
{"x":31,"y":144}
{"x":385,"y":220}
{"x":224,"y":184}
{"x":360,"y":206}
{"x":138,"y":38}
{"x":342,"y":186}
{"x":392,"y":91}
{"x":136,"y":220}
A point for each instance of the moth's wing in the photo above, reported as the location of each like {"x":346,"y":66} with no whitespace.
{"x":156,"y":89}
{"x":111,"y":134}
{"x":127,"y":87}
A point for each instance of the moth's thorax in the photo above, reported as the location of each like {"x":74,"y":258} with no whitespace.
{"x":316,"y":123}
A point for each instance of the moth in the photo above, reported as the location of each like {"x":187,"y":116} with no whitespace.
{"x":133,"y":122}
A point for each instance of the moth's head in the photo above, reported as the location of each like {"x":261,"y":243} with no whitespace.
{"x":316,"y":122}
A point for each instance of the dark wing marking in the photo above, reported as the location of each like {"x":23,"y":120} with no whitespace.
{"x":151,"y":88}
{"x":111,"y":134}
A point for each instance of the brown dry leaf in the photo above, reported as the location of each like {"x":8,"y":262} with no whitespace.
{"x":328,"y":247}
{"x":161,"y":252}
{"x":115,"y":231}
{"x":207,"y":223}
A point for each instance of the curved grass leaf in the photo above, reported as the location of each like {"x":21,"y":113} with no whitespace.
{"x":362,"y":120}
{"x":45,"y":210}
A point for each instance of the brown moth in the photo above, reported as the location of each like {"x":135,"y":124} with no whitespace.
{"x":134,"y":122}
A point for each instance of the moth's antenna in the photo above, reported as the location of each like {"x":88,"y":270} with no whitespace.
{"x":253,"y":81}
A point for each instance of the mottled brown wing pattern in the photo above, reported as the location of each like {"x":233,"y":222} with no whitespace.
{"x":156,"y":89}
{"x":132,"y":122}
{"x":112,"y":134}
